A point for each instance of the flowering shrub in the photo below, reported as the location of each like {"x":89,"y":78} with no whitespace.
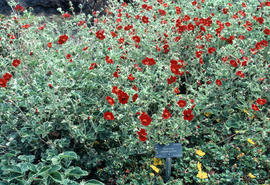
{"x":162,"y":72}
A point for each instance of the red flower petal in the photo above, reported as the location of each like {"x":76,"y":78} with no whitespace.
{"x":108,"y":116}
{"x":145,"y":119}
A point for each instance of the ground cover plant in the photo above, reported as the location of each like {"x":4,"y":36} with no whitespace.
{"x":83,"y":105}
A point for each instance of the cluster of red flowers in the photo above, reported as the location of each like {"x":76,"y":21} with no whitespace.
{"x":122,"y":98}
{"x":62,"y":39}
{"x":100,"y":34}
{"x":240,"y":73}
{"x":108,"y":60}
{"x":148,"y":61}
{"x":145,"y":121}
{"x":142,"y":134}
{"x":171,"y":80}
{"x":175,"y":67}
{"x":66,"y":15}
{"x":5,"y":79}
{"x":259,"y":101}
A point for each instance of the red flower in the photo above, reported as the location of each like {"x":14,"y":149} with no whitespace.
{"x":81,"y":23}
{"x":19,"y":8}
{"x":26,"y":26}
{"x":142,"y":135}
{"x":49,"y":44}
{"x":240,"y":73}
{"x":66,"y":15}
{"x":99,"y":34}
{"x":113,"y":34}
{"x":7,"y":76}
{"x":115,"y":74}
{"x":108,"y":60}
{"x":178,"y":10}
{"x":108,"y":116}
{"x":171,"y":80}
{"x":199,"y":54}
{"x":166,"y":114}
{"x":68,"y":56}
{"x":93,"y":65}
{"x":148,"y":61}
{"x":3,"y":82}
{"x":50,"y":85}
{"x":261,"y":101}
{"x":143,"y":132}
{"x":137,"y":67}
{"x":233,"y":63}
{"x":225,"y":10}
{"x":42,"y":27}
{"x":135,"y":88}
{"x":266,"y":31}
{"x":254,"y":107}
{"x":62,"y":39}
{"x":260,"y":20}
{"x":136,"y":38}
{"x":188,"y":114}
{"x":121,"y":40}
{"x":211,"y":50}
{"x":134,"y":97}
{"x":110,"y":100}
{"x":241,"y":37}
{"x":145,"y":119}
{"x":194,"y":3}
{"x":85,"y":48}
{"x":131,"y":78}
{"x":218,"y":82}
{"x":162,"y":12}
{"x":16,"y":62}
{"x":182,"y":103}
{"x":175,"y":67}
{"x":115,"y":90}
{"x":176,"y":90}
{"x":122,"y":97}
{"x":145,"y":19}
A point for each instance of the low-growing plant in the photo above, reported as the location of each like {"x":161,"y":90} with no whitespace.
{"x":163,"y":72}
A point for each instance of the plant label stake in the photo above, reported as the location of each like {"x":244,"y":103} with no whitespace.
{"x":168,"y":152}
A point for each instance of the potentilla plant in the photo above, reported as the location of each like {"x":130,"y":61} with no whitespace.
{"x":211,"y":55}
{"x":160,"y":73}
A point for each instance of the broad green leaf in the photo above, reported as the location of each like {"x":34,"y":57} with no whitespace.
{"x":94,"y":182}
{"x":10,"y":168}
{"x":44,"y":170}
{"x":28,"y":158}
{"x":56,"y":176}
{"x":68,"y":154}
{"x":54,"y":168}
{"x":76,"y":172}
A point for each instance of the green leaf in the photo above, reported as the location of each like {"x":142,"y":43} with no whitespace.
{"x":54,"y":168}
{"x":14,"y":175}
{"x":27,"y":158}
{"x":44,"y":170}
{"x":56,"y":176}
{"x":10,"y":168}
{"x":76,"y":172}
{"x":94,"y":182}
{"x":55,"y":160}
{"x":68,"y":154}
